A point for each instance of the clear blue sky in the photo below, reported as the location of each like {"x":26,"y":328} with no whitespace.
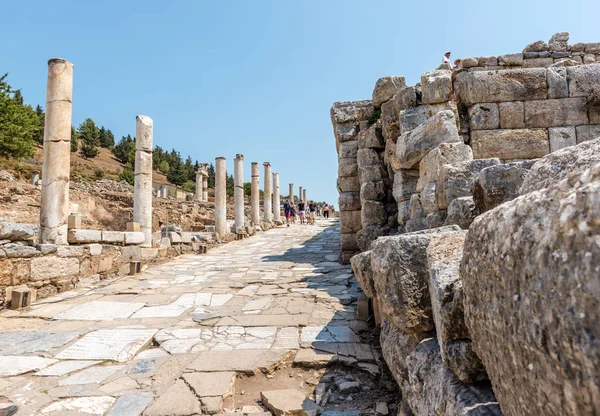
{"x":258,"y":77}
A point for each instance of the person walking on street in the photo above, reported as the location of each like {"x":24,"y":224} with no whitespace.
{"x":287,"y":210}
{"x":301,"y":212}
{"x":312,"y":208}
{"x":326,"y":210}
{"x":293,"y":213}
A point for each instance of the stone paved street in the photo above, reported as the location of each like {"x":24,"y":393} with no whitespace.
{"x":175,"y":339}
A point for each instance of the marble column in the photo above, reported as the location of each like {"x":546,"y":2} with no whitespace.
{"x":35,"y":176}
{"x":56,"y":168}
{"x":142,"y":188}
{"x":301,"y":193}
{"x":164,"y":191}
{"x":204,"y":183}
{"x":291,"y":195}
{"x":238,"y":193}
{"x":304,"y":195}
{"x":220,"y":196}
{"x":267,"y":193}
{"x":255,"y":195}
{"x":276,"y":201}
{"x":199,"y":182}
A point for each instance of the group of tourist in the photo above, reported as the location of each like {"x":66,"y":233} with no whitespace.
{"x":305,"y":211}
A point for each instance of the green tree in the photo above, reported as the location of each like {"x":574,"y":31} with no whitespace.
{"x":177,"y":172}
{"x":89,"y":135}
{"x":247,"y":188}
{"x":38,"y":136}
{"x":74,"y":140}
{"x":124,"y":151}
{"x":230,"y":186}
{"x":89,"y":151}
{"x":189,"y":186}
{"x":211,"y":176}
{"x":128,"y":176}
{"x":158,"y":157}
{"x":106,"y":138}
{"x":189,"y":167}
{"x":164,"y":167}
{"x":18,"y":123}
{"x":18,"y":97}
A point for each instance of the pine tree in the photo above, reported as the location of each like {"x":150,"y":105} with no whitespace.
{"x":229,"y":182}
{"x":211,"y":176}
{"x":189,"y":168}
{"x":89,"y":135}
{"x":177,"y":173}
{"x":18,"y":123}
{"x":18,"y":97}
{"x":106,"y":138}
{"x":38,"y":136}
{"x":74,"y":140}
{"x":89,"y":151}
{"x":124,"y":151}
{"x":164,"y":167}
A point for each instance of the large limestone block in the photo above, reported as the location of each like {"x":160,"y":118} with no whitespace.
{"x":373,"y":213}
{"x":461,"y":212}
{"x":412,"y":118}
{"x":497,"y":184}
{"x":499,"y":86}
{"x":347,"y":167}
{"x":349,"y":201}
{"x":405,"y":184}
{"x":556,"y":112}
{"x":79,"y":236}
{"x":351,"y":111}
{"x":374,"y":191}
{"x":584,"y":81}
{"x":432,"y":389}
{"x":436,"y":219}
{"x":561,"y":137}
{"x":428,"y":198}
{"x":349,"y":184}
{"x":484,"y":116}
{"x":444,"y":154}
{"x":366,"y":236}
{"x":346,"y":132}
{"x":389,"y":156}
{"x":396,"y":346}
{"x":390,"y":112}
{"x":15,"y":231}
{"x":361,"y":266}
{"x":373,"y":173}
{"x":512,"y":115}
{"x":558,"y":86}
{"x":585,"y":133}
{"x":348,"y":242}
{"x":412,"y":146}
{"x":403,"y":212}
{"x":386,"y":88}
{"x":532,"y":264}
{"x":401,"y":276}
{"x":436,"y":86}
{"x":368,"y":157}
{"x":371,"y":138}
{"x":558,"y":165}
{"x":455,"y":181}
{"x":559,"y":42}
{"x":510,"y":144}
{"x":47,"y":267}
{"x":348,"y":149}
{"x":350,"y":221}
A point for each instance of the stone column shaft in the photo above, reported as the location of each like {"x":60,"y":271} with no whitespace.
{"x":301,"y":193}
{"x":220,"y":196}
{"x":267,"y":193}
{"x":276,"y":201}
{"x":255,"y":195}
{"x":304,"y":195}
{"x":205,"y":188}
{"x":291,"y":196}
{"x":199,"y":182}
{"x":142,"y":191}
{"x":56,"y":168}
{"x":238,"y":193}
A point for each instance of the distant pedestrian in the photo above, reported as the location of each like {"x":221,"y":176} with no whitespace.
{"x":287,"y":211}
{"x":457,"y":64}
{"x":312,"y":208}
{"x":293,"y":213}
{"x":326,"y":210}
{"x":301,"y":211}
{"x":446,"y":60}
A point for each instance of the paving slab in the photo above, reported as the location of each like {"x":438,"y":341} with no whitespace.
{"x":177,"y":400}
{"x":64,"y":367}
{"x":247,"y":362}
{"x":131,"y":404}
{"x":81,"y":405}
{"x":94,"y":375}
{"x":219,"y":384}
{"x":288,"y":403}
{"x":11,"y":365}
{"x":100,"y":311}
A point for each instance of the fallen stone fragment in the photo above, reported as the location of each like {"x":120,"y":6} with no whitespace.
{"x":361,"y":266}
{"x":178,"y":400}
{"x":131,"y":404}
{"x":349,"y":387}
{"x":249,"y":362}
{"x":382,"y":408}
{"x":288,"y":403}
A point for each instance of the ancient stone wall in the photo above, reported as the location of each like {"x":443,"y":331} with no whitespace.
{"x":477,"y":322}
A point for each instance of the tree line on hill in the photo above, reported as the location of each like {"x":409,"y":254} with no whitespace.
{"x":22,"y":129}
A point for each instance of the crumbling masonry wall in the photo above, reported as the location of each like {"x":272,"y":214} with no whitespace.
{"x":469,"y":149}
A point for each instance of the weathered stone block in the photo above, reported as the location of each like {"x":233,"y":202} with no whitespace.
{"x":400,"y":274}
{"x":390,"y":112}
{"x":366,"y":236}
{"x":589,"y":58}
{"x":351,"y":111}
{"x":553,"y":250}
{"x":542,"y":62}
{"x":386,"y":88}
{"x":436,"y":86}
{"x":585,"y":133}
{"x":346,"y":132}
{"x":584,"y":81}
{"x":455,"y":181}
{"x":70,"y":251}
{"x":134,"y":238}
{"x":537,"y":46}
{"x":396,"y":347}
{"x":511,"y":59}
{"x":484,"y":116}
{"x":561,"y":137}
{"x":461,"y":212}
{"x":556,"y":112}
{"x":412,"y":146}
{"x":349,"y":201}
{"x":460,"y":357}
{"x":19,"y":251}
{"x":389,"y":156}
{"x":373,"y":213}
{"x":559,"y":42}
{"x":432,"y":389}
{"x":470,"y":62}
{"x":49,"y":267}
{"x":347,"y":167}
{"x":558,"y":86}
{"x":348,"y":242}
{"x":428,"y":198}
{"x":374,"y":191}
{"x":445,"y":153}
{"x":510,"y":144}
{"x":95,"y":249}
{"x":372,"y":138}
{"x":349,"y":221}
{"x":15,"y":231}
{"x":403,"y":211}
{"x":495,"y":185}
{"x":373,"y":173}
{"x":593,"y":47}
{"x":348,"y":149}
{"x":76,"y":236}
{"x":512,"y":115}
{"x":113,"y":237}
{"x":405,"y":184}
{"x":436,"y":219}
{"x":555,"y":167}
{"x":350,"y":184}
{"x":361,"y":266}
{"x":411,"y":118}
{"x":499,"y":86}
{"x":368,"y":157}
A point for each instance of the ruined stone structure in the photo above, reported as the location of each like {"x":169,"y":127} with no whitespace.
{"x":142,"y":200}
{"x":504,"y":147}
{"x":202,"y":184}
{"x":267,"y":207}
{"x":276,"y":199}
{"x":238,"y":193}
{"x":57,"y":153}
{"x":220,"y":196}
